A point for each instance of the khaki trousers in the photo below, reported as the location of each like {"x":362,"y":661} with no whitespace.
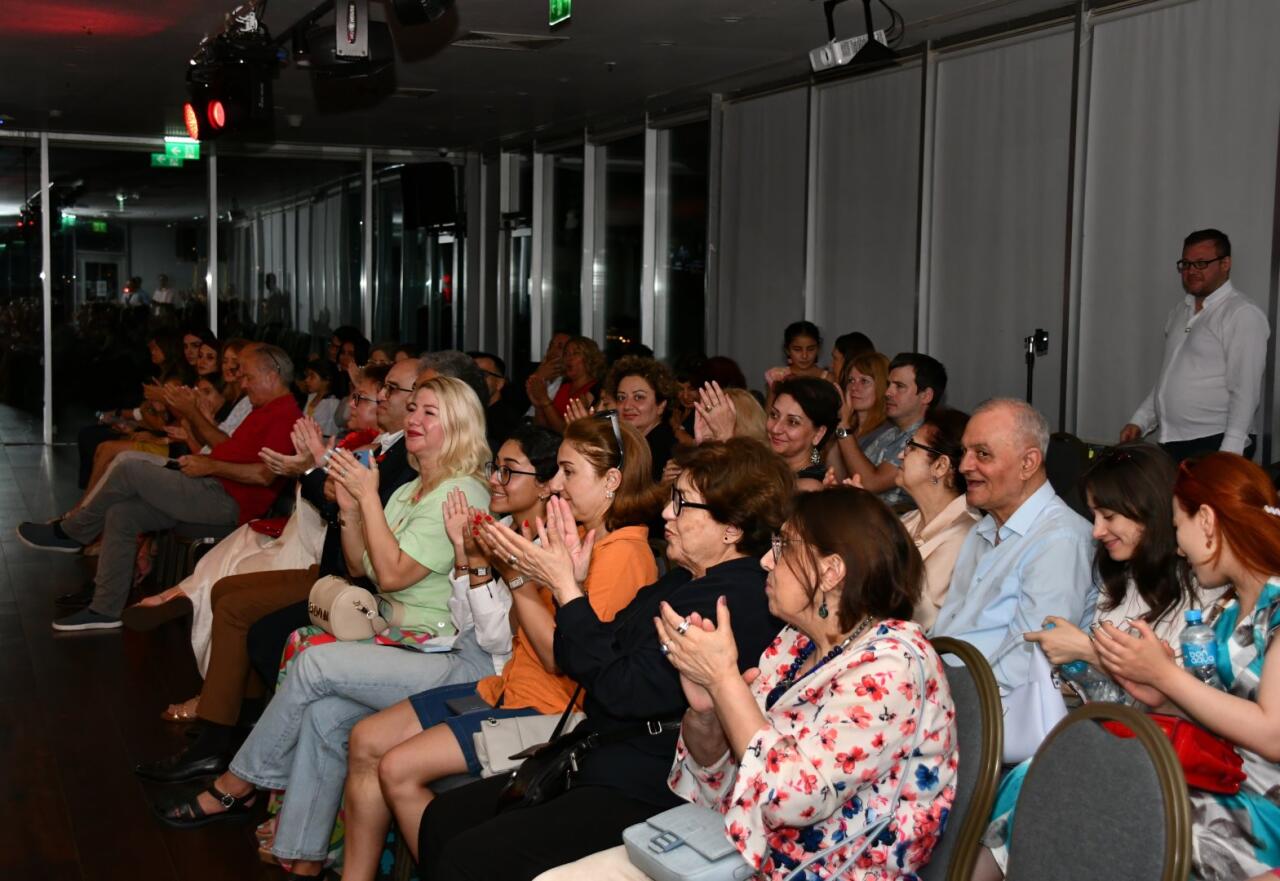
{"x":238,"y":602}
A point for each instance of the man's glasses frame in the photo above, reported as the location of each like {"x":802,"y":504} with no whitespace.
{"x":1198,"y":265}
{"x":391,"y":388}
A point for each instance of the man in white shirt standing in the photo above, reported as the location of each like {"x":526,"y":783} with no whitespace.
{"x":1215,"y":348}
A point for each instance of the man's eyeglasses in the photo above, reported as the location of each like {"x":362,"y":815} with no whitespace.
{"x":391,"y":388}
{"x":356,"y":398}
{"x":491,"y":373}
{"x":612,"y":416}
{"x":919,"y":446}
{"x":504,"y":473}
{"x":778,"y":542}
{"x":1184,"y":265}
{"x":678,"y":502}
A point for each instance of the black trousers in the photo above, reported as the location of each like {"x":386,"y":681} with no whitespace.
{"x":267,"y":638}
{"x":1189,"y":449}
{"x":463,"y":837}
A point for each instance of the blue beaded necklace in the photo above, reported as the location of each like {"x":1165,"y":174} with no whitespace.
{"x":804,"y":654}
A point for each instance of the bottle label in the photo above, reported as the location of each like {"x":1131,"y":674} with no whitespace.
{"x":1198,"y":655}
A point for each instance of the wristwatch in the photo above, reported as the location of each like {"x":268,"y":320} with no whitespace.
{"x":842,"y":433}
{"x":517,"y":582}
{"x":480,"y":571}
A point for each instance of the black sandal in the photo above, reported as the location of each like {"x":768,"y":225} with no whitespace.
{"x":188,"y":814}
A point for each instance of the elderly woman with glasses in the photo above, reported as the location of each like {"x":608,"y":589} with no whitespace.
{"x":728,"y":499}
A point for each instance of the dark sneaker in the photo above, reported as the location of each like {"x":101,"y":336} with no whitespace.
{"x":72,"y":602}
{"x":47,"y":537}
{"x":87,"y":619}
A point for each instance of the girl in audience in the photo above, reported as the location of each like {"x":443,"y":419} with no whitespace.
{"x":207,"y":357}
{"x":583,"y":367}
{"x":641,"y":389}
{"x":942,"y":520}
{"x":801,"y":418}
{"x":1130,"y":490}
{"x":604,"y":484}
{"x":322,"y":404}
{"x":727,"y":502}
{"x":1227,"y":520}
{"x":405,"y":552}
{"x":802,"y":346}
{"x":862,"y":416}
{"x":843,"y":576}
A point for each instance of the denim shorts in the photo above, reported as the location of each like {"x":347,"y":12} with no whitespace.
{"x":432,"y":710}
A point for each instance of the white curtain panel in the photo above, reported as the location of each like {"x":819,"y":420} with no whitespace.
{"x":1182,"y":135}
{"x":867,"y":173}
{"x":998,"y":225}
{"x":762,"y":232}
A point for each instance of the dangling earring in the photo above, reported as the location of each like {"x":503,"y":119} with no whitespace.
{"x":822,"y":609}
{"x":815,"y":458}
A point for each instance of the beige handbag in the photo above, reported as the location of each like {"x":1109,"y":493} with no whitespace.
{"x":500,"y":742}
{"x":351,"y":613}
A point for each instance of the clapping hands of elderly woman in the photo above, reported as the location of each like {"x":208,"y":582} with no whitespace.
{"x":560,"y":560}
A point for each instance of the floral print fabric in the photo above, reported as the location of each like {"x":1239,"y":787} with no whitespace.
{"x":828,"y":765}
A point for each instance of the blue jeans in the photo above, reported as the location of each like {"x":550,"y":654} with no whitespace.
{"x":300,"y":743}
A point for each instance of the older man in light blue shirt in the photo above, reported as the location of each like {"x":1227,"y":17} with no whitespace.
{"x":1028,"y":558}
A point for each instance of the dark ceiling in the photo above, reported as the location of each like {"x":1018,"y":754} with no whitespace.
{"x":117,"y":66}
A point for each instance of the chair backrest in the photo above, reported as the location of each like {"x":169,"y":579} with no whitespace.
{"x":1094,"y":805}
{"x":1065,"y":463}
{"x":980,"y":725}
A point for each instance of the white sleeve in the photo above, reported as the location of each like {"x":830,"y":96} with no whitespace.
{"x":1245,"y":339}
{"x":487,"y":608}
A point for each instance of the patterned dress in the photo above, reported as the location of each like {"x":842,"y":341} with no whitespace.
{"x":1238,"y":836}
{"x":832,"y":758}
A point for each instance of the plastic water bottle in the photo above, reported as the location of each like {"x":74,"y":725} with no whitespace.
{"x":1097,"y":686}
{"x":1200,"y":649}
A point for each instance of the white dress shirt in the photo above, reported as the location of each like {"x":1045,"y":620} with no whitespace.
{"x":1211,"y":379}
{"x":1009,"y":578}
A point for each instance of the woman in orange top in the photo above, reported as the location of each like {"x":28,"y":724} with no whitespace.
{"x":605,"y":477}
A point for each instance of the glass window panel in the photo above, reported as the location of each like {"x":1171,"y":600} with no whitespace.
{"x":685,"y":251}
{"x":21,"y":294}
{"x":566,"y":242}
{"x":623,"y":220}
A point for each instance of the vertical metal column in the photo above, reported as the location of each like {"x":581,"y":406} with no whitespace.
{"x":591,"y":292}
{"x":366,"y":250}
{"x":211,"y":275}
{"x":924,"y":228}
{"x":1081,"y":63}
{"x":649,"y":239}
{"x":662,"y":247}
{"x":542,"y":218}
{"x":710,"y":334}
{"x":46,"y":289}
{"x":812,"y":184}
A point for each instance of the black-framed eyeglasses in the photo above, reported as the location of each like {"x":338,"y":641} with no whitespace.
{"x":678,"y":502}
{"x":1184,"y":265}
{"x":356,"y":398}
{"x":391,"y":388}
{"x":504,"y":473}
{"x":778,"y":542}
{"x":491,"y":373}
{"x":928,"y":449}
{"x":612,"y":416}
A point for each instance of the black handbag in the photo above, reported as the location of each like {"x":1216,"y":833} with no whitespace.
{"x":548,"y":768}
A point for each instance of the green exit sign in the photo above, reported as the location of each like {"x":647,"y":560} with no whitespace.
{"x":164,"y":160}
{"x":99,"y":226}
{"x":560,"y":10}
{"x":182,"y":150}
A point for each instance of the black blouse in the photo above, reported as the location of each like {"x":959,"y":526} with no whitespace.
{"x":627,"y":679}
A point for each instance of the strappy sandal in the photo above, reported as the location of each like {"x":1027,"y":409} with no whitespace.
{"x":180,"y":712}
{"x":188,"y":814}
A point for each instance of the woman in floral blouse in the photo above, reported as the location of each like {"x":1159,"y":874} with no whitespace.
{"x":848,"y":717}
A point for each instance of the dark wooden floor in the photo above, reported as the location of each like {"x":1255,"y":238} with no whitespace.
{"x":78,"y":710}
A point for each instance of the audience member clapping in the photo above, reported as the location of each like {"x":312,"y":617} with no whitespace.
{"x":801,"y":418}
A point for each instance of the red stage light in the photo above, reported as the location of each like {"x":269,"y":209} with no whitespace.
{"x":191,"y":120}
{"x":217,"y":115}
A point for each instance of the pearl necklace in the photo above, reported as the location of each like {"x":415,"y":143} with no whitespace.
{"x":803,"y":655}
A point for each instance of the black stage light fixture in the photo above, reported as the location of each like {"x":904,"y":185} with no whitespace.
{"x":229,"y":82}
{"x":411,"y":12}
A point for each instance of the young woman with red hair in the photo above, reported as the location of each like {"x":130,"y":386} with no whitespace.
{"x":1227,"y":518}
